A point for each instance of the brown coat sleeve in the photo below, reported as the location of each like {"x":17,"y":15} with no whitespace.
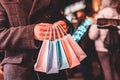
{"x":20,"y":37}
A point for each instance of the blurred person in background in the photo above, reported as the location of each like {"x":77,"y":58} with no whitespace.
{"x":90,"y":67}
{"x":105,"y":3}
{"x":79,"y":17}
{"x":21,"y":25}
{"x":98,"y":35}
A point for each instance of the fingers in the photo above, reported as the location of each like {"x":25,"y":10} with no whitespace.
{"x":49,"y":37}
{"x":39,"y":28}
{"x":43,"y":26}
{"x":62,"y":23}
{"x":45,"y":31}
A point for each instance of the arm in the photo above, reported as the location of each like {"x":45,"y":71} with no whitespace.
{"x":20,"y":37}
{"x":93,"y":32}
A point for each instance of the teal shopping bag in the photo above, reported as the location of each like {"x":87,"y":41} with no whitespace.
{"x":62,"y":59}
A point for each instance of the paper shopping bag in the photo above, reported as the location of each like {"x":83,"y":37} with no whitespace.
{"x":77,"y":49}
{"x":41,"y":63}
{"x":71,"y":56}
{"x":61,"y":55}
{"x":62,"y":59}
{"x":52,"y":65}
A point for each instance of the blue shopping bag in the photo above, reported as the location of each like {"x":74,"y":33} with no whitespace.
{"x":52,"y":63}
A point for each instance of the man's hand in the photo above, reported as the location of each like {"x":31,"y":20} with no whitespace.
{"x":41,"y":30}
{"x":63,"y":25}
{"x":63,"y":28}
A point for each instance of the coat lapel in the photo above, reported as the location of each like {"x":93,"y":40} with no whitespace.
{"x":38,"y":5}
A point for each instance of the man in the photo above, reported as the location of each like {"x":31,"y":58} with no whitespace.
{"x":22,"y":26}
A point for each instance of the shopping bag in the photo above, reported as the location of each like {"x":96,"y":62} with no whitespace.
{"x":41,"y":63}
{"x":47,"y":58}
{"x":71,"y":56}
{"x":77,"y":49}
{"x":52,"y":65}
{"x":62,"y":59}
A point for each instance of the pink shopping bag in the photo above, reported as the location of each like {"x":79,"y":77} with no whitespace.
{"x":41,"y":63}
{"x":77,"y":49}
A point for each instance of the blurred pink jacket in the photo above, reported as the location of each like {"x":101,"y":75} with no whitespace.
{"x":99,"y":34}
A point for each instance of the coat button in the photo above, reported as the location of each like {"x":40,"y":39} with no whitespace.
{"x":47,"y":16}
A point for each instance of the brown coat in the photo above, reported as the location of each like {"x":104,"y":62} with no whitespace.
{"x":17,"y":20}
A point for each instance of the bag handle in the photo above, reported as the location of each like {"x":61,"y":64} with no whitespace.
{"x":45,"y":37}
{"x":61,"y":30}
{"x":58,"y":31}
{"x":53,"y":29}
